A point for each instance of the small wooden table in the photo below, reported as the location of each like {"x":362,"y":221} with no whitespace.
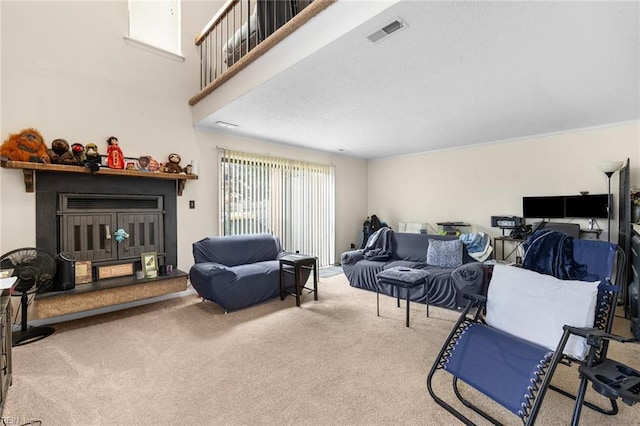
{"x":294,"y":264}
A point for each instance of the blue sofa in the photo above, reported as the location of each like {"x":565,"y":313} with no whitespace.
{"x":238,"y":271}
{"x":446,"y":285}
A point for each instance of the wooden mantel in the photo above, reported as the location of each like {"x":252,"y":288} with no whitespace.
{"x":29,"y":170}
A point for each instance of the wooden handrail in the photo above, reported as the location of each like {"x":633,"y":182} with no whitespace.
{"x":229,"y":4}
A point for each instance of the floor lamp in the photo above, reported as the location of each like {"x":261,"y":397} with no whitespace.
{"x":609,"y":168}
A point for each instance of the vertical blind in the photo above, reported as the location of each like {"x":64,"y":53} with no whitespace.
{"x":293,"y":200}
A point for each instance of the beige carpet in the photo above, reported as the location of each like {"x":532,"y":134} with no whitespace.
{"x":182,"y":362}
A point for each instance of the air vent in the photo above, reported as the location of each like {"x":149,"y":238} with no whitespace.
{"x":387,"y":30}
{"x":86,"y":202}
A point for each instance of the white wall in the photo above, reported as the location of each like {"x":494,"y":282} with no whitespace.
{"x":71,"y":75}
{"x":67,"y":71}
{"x":473,"y":184}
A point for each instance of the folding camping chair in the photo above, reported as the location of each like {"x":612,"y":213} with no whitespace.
{"x":511,"y":358}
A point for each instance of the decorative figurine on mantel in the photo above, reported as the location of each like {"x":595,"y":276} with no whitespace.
{"x":93,"y":157}
{"x":115,"y":158}
{"x":60,"y":152}
{"x":143,"y":163}
{"x":79,"y":155}
{"x":154,"y":165}
{"x":173,"y":165}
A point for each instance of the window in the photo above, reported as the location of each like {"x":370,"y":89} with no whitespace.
{"x":293,"y":200}
{"x":156,"y":23}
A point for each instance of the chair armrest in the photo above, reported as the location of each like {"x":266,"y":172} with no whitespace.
{"x":476,"y":301}
{"x":209,"y":279}
{"x":283,"y":253}
{"x":597,"y":334}
{"x":212,"y":270}
{"x":351,"y":257}
{"x":476,"y":298}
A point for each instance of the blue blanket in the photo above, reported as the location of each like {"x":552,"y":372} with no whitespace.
{"x":476,"y":242}
{"x":551,"y":253}
{"x":379,"y":245}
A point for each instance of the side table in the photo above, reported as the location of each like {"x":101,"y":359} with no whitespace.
{"x":608,"y":377}
{"x":402,"y":277}
{"x":504,"y":256}
{"x":295,"y":264}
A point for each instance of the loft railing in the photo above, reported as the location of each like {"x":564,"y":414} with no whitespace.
{"x":230,"y":34}
{"x":238,"y":28}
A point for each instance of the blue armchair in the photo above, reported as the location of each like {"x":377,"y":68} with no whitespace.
{"x":238,"y":271}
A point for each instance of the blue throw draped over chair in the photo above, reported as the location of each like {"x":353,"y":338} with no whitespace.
{"x":516,"y":371}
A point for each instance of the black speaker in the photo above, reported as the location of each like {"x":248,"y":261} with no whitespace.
{"x":65,"y":272}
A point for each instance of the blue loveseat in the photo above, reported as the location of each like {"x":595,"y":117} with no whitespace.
{"x":238,"y":271}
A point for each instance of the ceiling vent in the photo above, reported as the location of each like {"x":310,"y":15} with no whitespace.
{"x":386,"y":31}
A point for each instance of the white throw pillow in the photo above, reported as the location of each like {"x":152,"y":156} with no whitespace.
{"x":536,"y":306}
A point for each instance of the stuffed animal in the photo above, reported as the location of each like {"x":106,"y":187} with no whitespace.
{"x":93,"y":157}
{"x":28,"y":145}
{"x":173,"y":165}
{"x":60,"y":152}
{"x":79,"y":156}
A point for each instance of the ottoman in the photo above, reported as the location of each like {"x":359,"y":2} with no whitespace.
{"x":401,"y":276}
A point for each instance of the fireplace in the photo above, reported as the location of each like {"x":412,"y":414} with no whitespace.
{"x":80,"y":213}
{"x":91,"y":227}
{"x":84,"y":207}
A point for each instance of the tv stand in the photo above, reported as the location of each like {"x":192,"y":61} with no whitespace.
{"x":590,"y":234}
{"x":503,"y":254}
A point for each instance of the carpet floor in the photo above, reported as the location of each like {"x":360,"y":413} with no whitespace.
{"x":329,"y":362}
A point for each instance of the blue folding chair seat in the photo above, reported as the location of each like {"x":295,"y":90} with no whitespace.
{"x":496,"y":354}
{"x":513,"y":371}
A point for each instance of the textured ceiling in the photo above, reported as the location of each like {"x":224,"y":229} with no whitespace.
{"x":461,"y":73}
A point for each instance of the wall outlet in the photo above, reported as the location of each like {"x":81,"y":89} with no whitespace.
{"x":192,"y":204}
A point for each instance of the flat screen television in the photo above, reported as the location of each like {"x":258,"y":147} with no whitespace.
{"x":543,"y":207}
{"x":586,"y":206}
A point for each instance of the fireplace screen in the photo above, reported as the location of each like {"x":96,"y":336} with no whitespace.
{"x":89,"y":226}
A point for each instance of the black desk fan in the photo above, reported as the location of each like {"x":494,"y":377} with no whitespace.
{"x":34,"y":270}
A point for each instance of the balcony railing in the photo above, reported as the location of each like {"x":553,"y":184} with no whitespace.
{"x":238,"y":28}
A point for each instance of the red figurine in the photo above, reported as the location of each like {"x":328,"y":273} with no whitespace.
{"x":114,"y":154}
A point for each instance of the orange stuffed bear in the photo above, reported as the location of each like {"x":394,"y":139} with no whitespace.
{"x":28,"y":145}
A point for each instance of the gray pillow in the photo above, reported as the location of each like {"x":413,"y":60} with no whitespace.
{"x":444,"y":253}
